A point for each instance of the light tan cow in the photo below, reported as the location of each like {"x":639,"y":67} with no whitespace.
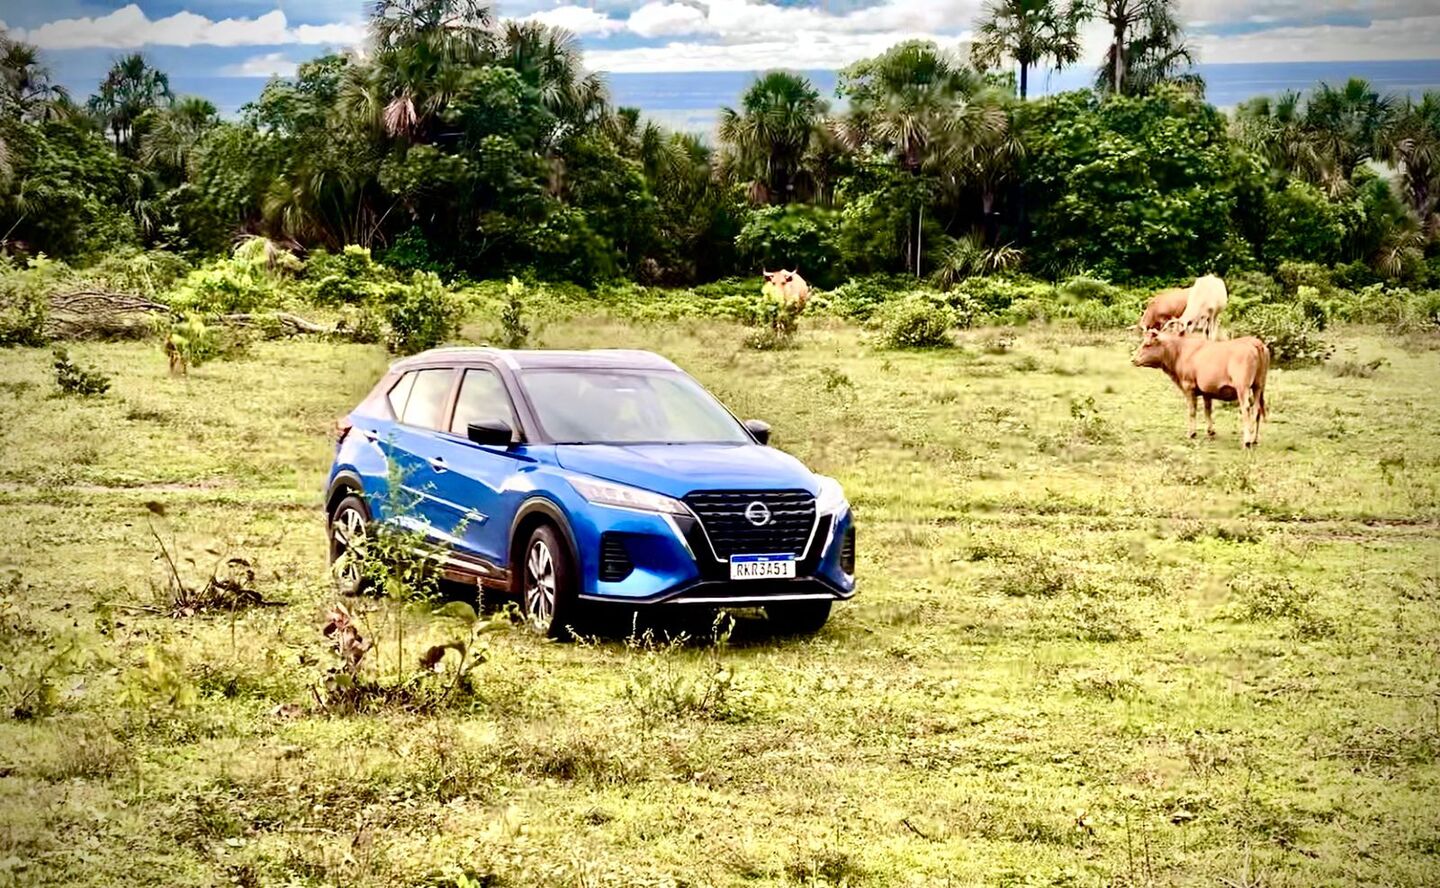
{"x":791,"y":285}
{"x":1204,"y":301}
{"x":1233,"y":370}
{"x":1164,"y":306}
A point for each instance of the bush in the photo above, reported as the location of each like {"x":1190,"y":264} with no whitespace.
{"x":25,"y":300}
{"x":1249,"y":288}
{"x":513,"y":331}
{"x":797,"y":236}
{"x":915,"y":321}
{"x":993,"y":295}
{"x":192,"y":342}
{"x":147,"y":274}
{"x":76,"y":380}
{"x":860,"y":297}
{"x":420,"y":315}
{"x":350,"y":277}
{"x":1087,"y":289}
{"x":1293,"y":338}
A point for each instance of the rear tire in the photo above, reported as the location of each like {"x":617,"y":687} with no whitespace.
{"x":797,"y":617}
{"x":347,"y":533}
{"x":547,"y":584}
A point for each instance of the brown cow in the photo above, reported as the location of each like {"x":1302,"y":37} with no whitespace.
{"x":1233,"y":370}
{"x":1164,"y":306}
{"x":791,"y":286}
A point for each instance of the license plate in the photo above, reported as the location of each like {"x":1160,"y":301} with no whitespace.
{"x":762,"y":567}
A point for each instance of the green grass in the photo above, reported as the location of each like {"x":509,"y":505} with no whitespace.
{"x":1086,"y":650}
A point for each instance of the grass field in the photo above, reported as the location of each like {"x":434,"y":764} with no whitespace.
{"x":1086,"y":650}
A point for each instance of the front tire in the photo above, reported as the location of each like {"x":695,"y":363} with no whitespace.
{"x":347,"y":545}
{"x":798,"y":617}
{"x":547,"y":584}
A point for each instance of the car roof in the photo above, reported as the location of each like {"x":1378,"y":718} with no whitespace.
{"x":533,"y":358}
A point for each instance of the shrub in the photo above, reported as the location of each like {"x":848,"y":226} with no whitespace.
{"x":859,"y":297}
{"x":992,"y":295}
{"x":513,"y":331}
{"x":223,"y":287}
{"x":349,"y":277}
{"x":191,"y":342}
{"x":915,"y":321}
{"x":420,"y":315}
{"x":1248,"y":288}
{"x":797,"y":236}
{"x":148,"y":273}
{"x":1086,"y":289}
{"x":1095,"y":316}
{"x":25,"y":300}
{"x":76,"y":380}
{"x":1292,"y":337}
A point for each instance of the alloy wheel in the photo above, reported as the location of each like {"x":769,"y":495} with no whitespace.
{"x":540,"y":585}
{"x":347,"y":534}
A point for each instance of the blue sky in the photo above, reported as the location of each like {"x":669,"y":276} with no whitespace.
{"x":226,"y":49}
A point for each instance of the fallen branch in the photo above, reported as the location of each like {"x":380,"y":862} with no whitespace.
{"x":294,"y":323}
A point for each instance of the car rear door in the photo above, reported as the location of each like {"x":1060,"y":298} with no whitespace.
{"x":412,"y":444}
{"x":476,"y":477}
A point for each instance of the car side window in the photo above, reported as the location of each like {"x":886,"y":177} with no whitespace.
{"x":427,"y":402}
{"x":400,"y":393}
{"x":482,"y":399}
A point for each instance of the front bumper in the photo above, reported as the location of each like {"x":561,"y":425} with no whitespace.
{"x":671,"y":562}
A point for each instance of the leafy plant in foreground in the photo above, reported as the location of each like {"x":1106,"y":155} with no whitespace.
{"x":76,"y":380}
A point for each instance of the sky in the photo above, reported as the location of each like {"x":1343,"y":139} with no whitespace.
{"x":227,"y":49}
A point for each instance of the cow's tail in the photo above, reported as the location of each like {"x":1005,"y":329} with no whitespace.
{"x":1262,"y":369}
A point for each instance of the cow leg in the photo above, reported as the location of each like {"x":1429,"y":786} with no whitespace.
{"x":1190,"y":397}
{"x":1255,"y":422}
{"x":1209,"y":416}
{"x":1244,"y":400}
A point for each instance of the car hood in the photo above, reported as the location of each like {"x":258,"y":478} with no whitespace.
{"x":678,"y":469}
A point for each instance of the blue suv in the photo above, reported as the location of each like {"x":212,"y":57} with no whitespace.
{"x":566,"y":477}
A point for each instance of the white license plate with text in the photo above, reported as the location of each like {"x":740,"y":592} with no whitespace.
{"x":762,"y":567}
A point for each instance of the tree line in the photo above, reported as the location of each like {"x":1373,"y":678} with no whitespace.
{"x":475,"y":147}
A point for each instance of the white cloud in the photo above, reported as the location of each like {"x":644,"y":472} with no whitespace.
{"x":129,"y":27}
{"x":1405,"y":38}
{"x":667,"y":19}
{"x":577,"y":20}
{"x":805,"y":49}
{"x":272,"y":64}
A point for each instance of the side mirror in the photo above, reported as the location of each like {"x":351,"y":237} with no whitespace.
{"x":759,"y":429}
{"x":491,"y":433}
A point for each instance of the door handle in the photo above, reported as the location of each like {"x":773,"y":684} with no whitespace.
{"x":437,"y":463}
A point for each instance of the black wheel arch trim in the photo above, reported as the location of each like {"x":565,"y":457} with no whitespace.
{"x":345,"y":480}
{"x":542,"y":505}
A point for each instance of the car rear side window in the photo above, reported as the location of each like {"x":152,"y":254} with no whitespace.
{"x":426,"y":404}
{"x":400,"y":393}
{"x":482,"y":399}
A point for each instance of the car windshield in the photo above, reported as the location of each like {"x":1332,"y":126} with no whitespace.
{"x":585,"y":406}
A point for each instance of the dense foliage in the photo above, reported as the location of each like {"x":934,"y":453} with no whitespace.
{"x":466,"y":147}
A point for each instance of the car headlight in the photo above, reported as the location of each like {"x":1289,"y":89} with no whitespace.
{"x":831,"y":498}
{"x":607,"y":493}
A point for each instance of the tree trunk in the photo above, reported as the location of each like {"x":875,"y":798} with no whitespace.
{"x":1024,"y":80}
{"x":1119,"y":77}
{"x":919,"y":237}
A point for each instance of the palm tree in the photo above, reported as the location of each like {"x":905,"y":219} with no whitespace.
{"x":130,"y":89}
{"x":26,"y":89}
{"x":767,"y":138}
{"x":1350,"y":125}
{"x":1028,"y":31}
{"x":1412,"y":145}
{"x":1275,"y":129}
{"x":915,"y":103}
{"x":421,"y":50}
{"x":1146,"y":47}
{"x":169,"y":135}
{"x":549,"y":59}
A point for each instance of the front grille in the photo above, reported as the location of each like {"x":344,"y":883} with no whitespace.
{"x":615,"y":563}
{"x":847,"y":551}
{"x":722,"y":513}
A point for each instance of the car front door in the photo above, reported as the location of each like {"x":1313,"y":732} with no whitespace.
{"x":477,"y":476}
